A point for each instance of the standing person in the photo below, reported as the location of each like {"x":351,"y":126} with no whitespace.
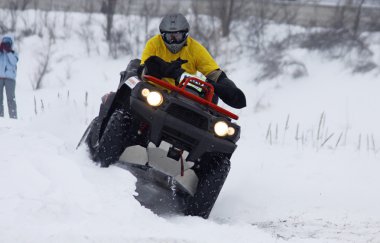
{"x":8,"y":68}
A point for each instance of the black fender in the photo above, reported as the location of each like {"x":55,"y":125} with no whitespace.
{"x":119,"y":100}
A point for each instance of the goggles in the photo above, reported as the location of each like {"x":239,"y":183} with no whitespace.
{"x":174,"y":37}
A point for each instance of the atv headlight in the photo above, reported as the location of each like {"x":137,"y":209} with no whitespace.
{"x":221,"y":128}
{"x":154,"y":98}
{"x":231,"y":131}
{"x":145,"y":92}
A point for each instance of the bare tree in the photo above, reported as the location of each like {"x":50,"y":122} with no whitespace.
{"x":86,"y":33}
{"x":19,"y":4}
{"x":4,"y":28}
{"x":88,"y":6}
{"x":24,"y":4}
{"x":149,"y":10}
{"x":117,"y":43}
{"x":227,"y":11}
{"x":123,"y":7}
{"x":208,"y":34}
{"x":374,"y":21}
{"x":44,"y":56}
{"x":35,"y":4}
{"x":357,"y":19}
{"x":348,"y":15}
{"x":13,"y":7}
{"x":108,"y":8}
{"x":44,"y":59}
{"x":262,"y":14}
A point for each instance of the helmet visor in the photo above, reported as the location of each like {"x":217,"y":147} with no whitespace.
{"x":174,"y":37}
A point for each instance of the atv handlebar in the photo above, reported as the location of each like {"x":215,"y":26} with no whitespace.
{"x":206,"y":87}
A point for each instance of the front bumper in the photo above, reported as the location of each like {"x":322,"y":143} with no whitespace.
{"x":181,"y":134}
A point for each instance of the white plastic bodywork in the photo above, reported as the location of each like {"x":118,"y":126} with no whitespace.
{"x":156,"y":158}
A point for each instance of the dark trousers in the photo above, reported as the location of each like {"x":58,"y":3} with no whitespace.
{"x":10,"y":86}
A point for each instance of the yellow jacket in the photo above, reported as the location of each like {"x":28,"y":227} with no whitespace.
{"x":197,"y":56}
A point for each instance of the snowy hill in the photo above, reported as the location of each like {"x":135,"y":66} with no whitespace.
{"x":297,"y":175}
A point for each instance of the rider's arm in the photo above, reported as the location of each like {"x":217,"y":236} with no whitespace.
{"x":224,"y":87}
{"x":149,"y":50}
{"x":204,"y":62}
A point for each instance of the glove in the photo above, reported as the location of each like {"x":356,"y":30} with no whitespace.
{"x":229,"y":93}
{"x":153,"y":66}
{"x":2,"y":47}
{"x":174,"y":69}
{"x":158,"y":68}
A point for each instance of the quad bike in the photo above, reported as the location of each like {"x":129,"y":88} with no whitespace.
{"x":174,"y":139}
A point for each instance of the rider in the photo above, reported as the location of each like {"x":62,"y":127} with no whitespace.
{"x":173,"y":52}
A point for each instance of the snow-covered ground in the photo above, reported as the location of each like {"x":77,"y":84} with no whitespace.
{"x":288,"y":182}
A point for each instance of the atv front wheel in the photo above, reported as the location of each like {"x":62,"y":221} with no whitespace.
{"x":115,"y":138}
{"x":212,"y":171}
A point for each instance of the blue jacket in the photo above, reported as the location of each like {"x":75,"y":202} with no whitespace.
{"x":8,"y":64}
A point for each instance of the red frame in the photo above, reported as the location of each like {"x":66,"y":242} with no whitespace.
{"x":207,"y":87}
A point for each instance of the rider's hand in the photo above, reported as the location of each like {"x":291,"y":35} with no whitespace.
{"x":174,"y":70}
{"x":154,"y":66}
{"x":158,"y":68}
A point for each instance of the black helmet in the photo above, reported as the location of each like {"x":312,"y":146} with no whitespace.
{"x":174,"y":30}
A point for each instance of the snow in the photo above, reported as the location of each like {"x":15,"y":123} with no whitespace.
{"x":280,"y":189}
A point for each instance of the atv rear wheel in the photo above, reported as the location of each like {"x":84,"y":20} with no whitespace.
{"x":115,"y":139}
{"x":212,"y":171}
